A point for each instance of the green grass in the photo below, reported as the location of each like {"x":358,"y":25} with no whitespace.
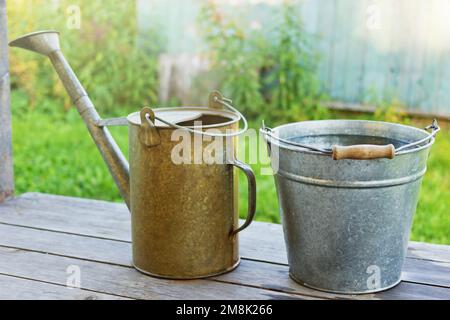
{"x":54,"y":154}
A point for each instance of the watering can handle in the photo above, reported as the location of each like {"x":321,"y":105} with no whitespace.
{"x":251,"y":194}
{"x":363,"y":152}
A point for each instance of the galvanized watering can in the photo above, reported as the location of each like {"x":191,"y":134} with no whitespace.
{"x":184,"y":213}
{"x":347,"y":192}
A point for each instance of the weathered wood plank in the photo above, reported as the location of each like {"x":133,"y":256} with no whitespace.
{"x":4,"y":67}
{"x":89,"y":217}
{"x":355,"y":55}
{"x":425,"y":271}
{"x":251,"y":273}
{"x":411,"y":291}
{"x":13,"y":288}
{"x":6,"y":163}
{"x":102,"y":250}
{"x":111,"y":220}
{"x":123,"y":281}
{"x":323,"y":29}
{"x":428,"y":251}
{"x":275,"y":277}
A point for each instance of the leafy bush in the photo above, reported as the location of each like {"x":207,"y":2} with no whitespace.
{"x":266,"y":72}
{"x":294,"y":64}
{"x":234,"y":58}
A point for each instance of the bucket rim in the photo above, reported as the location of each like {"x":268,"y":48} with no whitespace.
{"x":303,"y":150}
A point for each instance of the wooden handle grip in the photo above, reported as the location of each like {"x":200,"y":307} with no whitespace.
{"x":363,"y":152}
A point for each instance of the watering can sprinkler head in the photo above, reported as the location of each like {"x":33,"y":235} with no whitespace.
{"x":43,"y":42}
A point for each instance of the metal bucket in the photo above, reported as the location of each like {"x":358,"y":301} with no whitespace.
{"x":347,"y":222}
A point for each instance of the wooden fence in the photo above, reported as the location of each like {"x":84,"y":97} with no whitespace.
{"x":370,"y":49}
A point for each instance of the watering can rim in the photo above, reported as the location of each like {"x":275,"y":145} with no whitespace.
{"x":33,"y":34}
{"x":350,"y":120}
{"x":135,"y":119}
{"x":28,"y":42}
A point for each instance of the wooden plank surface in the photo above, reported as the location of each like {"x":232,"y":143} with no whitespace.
{"x":122,"y":281}
{"x":48,"y":233}
{"x":252,"y":273}
{"x":101,"y":219}
{"x":13,"y":288}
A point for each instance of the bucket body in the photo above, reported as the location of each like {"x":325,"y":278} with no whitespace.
{"x":347,"y":222}
{"x":182,"y":214}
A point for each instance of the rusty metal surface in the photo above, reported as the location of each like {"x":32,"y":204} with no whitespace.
{"x":182,"y":220}
{"x":185,"y":222}
{"x":6,"y":158}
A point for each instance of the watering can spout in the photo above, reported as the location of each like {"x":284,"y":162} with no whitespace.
{"x":43,"y":42}
{"x":47,"y":43}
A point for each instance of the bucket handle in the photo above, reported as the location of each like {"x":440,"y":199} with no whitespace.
{"x":363,"y":151}
{"x":358,"y":152}
{"x":251,"y":194}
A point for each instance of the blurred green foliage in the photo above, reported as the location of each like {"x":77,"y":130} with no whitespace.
{"x":294,"y":69}
{"x":267,"y":73}
{"x":234,"y":57}
{"x":119,"y":75}
{"x":267,"y":76}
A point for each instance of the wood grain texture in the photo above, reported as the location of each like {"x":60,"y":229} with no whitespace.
{"x":101,"y":219}
{"x":428,"y":251}
{"x":363,"y":151}
{"x":75,"y":246}
{"x":61,"y":228}
{"x":123,"y":281}
{"x":6,"y":162}
{"x":250,"y":273}
{"x":276,"y":277}
{"x":93,"y":218}
{"x":13,"y":288}
{"x":425,"y":271}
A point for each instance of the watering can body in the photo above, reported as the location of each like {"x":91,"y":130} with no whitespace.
{"x":184,"y":214}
